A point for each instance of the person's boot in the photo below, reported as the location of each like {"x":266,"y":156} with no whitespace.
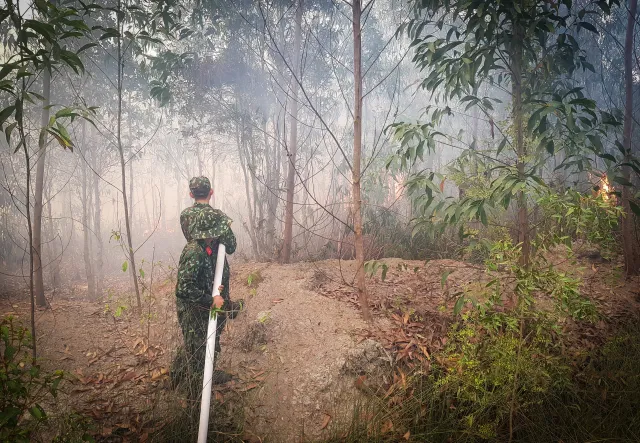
{"x":234,"y":308}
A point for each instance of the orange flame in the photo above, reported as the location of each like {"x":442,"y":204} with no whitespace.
{"x":605,"y":189}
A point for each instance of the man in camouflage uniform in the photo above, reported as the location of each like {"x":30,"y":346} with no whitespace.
{"x":206,"y":229}
{"x":201,"y":192}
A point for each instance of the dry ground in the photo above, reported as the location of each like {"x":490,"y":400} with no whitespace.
{"x":296,"y":351}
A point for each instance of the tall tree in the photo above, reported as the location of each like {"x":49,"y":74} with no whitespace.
{"x":629,"y":226}
{"x":37,"y":207}
{"x":97,"y":216}
{"x":529,"y":46}
{"x":86,"y":203}
{"x":293,"y":139}
{"x":120,"y":59}
{"x":356,"y":174}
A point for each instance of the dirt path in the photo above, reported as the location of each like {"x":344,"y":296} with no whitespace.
{"x":295,"y":343}
{"x":289,"y":351}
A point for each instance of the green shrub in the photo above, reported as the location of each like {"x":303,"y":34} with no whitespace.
{"x":23,"y":385}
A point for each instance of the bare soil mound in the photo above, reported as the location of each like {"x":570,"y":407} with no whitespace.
{"x":300,"y":352}
{"x":295,"y":345}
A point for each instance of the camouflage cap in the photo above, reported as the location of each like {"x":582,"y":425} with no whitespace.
{"x":209,"y":224}
{"x":200,"y":186}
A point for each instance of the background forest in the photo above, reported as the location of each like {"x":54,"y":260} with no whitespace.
{"x":438,"y":199}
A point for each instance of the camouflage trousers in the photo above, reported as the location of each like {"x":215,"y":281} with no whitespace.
{"x":188,"y":364}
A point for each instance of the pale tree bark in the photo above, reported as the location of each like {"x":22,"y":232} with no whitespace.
{"x":127,"y":209}
{"x":242,"y":153}
{"x":524,"y":237}
{"x":273,"y":182}
{"x":86,"y":250}
{"x":178,"y":197}
{"x":163,"y":201}
{"x":97,"y":204}
{"x":27,"y":160}
{"x":629,"y":239}
{"x":37,"y":208}
{"x":293,"y":141}
{"x":130,"y":196}
{"x":213,"y":176}
{"x":357,"y":160}
{"x":53,"y":250}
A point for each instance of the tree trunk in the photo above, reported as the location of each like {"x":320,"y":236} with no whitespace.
{"x":127,"y":209}
{"x":37,"y":209}
{"x":357,"y":159}
{"x":629,"y":239}
{"x":97,"y":229}
{"x":53,"y":251}
{"x":178,"y":199}
{"x":23,"y":138}
{"x":293,"y":141}
{"x":86,"y":250}
{"x":213,"y":176}
{"x":273,"y":193}
{"x":516,"y":90}
{"x":258,"y":200}
{"x":163,"y":205}
{"x":241,"y":141}
{"x":130,"y":196}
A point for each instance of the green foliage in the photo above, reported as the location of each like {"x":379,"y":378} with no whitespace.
{"x":74,"y":428}
{"x":479,"y":49}
{"x":254,"y":279}
{"x":489,"y":374}
{"x":394,"y":236}
{"x":41,"y":43}
{"x":483,"y":381}
{"x":116,"y":302}
{"x":533,"y":285}
{"x":371,"y":268}
{"x":23,"y":384}
{"x":572,"y":216}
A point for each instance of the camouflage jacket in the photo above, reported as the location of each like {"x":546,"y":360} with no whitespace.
{"x":218,"y":226}
{"x":188,"y":216}
{"x":195,"y":275}
{"x":219,"y":221}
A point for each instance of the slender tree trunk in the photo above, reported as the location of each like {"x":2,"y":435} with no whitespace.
{"x":272,"y":164}
{"x":130,"y":196}
{"x":97,"y":229}
{"x":516,"y":90}
{"x":178,"y":199}
{"x":86,"y":250}
{"x":53,"y":252}
{"x":357,"y":159}
{"x":127,"y":209}
{"x":163,"y":205}
{"x":37,"y":209}
{"x":199,"y":158}
{"x":241,"y":141}
{"x":30,"y":232}
{"x":213,"y":176}
{"x":258,"y":201}
{"x":293,"y":140}
{"x":629,"y":239}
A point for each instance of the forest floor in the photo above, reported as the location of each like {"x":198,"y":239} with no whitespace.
{"x":301,"y":355}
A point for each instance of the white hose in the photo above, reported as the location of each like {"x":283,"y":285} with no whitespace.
{"x":207,"y":380}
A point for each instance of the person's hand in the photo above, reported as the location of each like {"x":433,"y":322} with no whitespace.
{"x":217,"y":302}
{"x":220,"y":289}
